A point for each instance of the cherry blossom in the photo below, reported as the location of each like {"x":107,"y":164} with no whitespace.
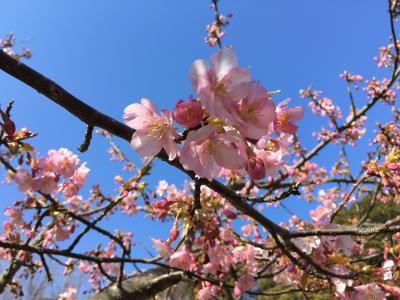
{"x":221,"y":85}
{"x":153,"y":132}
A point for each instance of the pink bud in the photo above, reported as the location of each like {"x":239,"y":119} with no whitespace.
{"x":118,"y":179}
{"x":163,"y":204}
{"x":71,"y":228}
{"x":174,"y":233}
{"x":255,"y":168}
{"x":188,"y":114}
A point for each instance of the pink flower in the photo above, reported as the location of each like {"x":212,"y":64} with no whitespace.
{"x":129,"y":204}
{"x":57,"y":233}
{"x":272,"y":160}
{"x":23,"y":180}
{"x":286,"y":117}
{"x":84,"y":267}
{"x":15,"y":215}
{"x":69,"y":294}
{"x":163,"y":249}
{"x":153,"y":132}
{"x":244,"y":283}
{"x":368,"y":291}
{"x":209,"y":292}
{"x":255,"y":112}
{"x":45,"y":182}
{"x":181,"y":259}
{"x":307,"y":244}
{"x":80,"y":176}
{"x":61,"y":162}
{"x":69,"y":190}
{"x":206,"y":151}
{"x":188,"y":114}
{"x":322,"y":214}
{"x":221,"y":84}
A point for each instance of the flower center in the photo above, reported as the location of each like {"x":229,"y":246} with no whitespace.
{"x":158,"y":128}
{"x":283,"y":118}
{"x":220,"y":88}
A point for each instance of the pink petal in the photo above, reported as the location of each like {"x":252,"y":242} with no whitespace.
{"x":140,"y":123}
{"x":149,"y":105}
{"x":171,"y":148}
{"x":228,"y":157}
{"x":239,"y":83}
{"x":199,"y":75}
{"x":145,"y":145}
{"x":224,"y":61}
{"x":201,"y":134}
{"x":296,"y":113}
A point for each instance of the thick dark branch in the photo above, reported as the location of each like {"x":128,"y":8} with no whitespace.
{"x":63,"y":98}
{"x":141,"y":286}
{"x":293,"y":190}
{"x":357,"y":231}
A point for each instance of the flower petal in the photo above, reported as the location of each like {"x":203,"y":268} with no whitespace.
{"x":224,"y":61}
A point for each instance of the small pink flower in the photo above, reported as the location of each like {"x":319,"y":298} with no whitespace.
{"x":23,"y":180}
{"x":15,"y":215}
{"x":286,"y":117}
{"x":221,"y":84}
{"x":84,"y":267}
{"x":272,"y":160}
{"x":368,"y":291}
{"x":129,"y":204}
{"x":188,"y":114}
{"x":61,"y":162}
{"x":57,"y":233}
{"x":209,"y":292}
{"x":80,"y":176}
{"x":69,"y":294}
{"x":255,"y":112}
{"x":118,"y":179}
{"x":206,"y":151}
{"x":181,"y":259}
{"x":163,"y":249}
{"x":69,"y":190}
{"x":153,"y":132}
{"x":45,"y":182}
{"x":244,"y":283}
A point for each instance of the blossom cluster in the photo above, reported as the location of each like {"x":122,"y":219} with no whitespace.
{"x":233,"y":126}
{"x":47,"y":172}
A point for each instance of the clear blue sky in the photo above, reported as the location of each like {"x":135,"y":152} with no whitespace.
{"x":111,"y":53}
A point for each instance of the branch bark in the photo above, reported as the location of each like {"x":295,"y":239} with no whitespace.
{"x":141,"y":286}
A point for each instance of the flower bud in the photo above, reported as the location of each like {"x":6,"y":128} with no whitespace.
{"x":255,"y":168}
{"x":188,"y":114}
{"x":174,"y":233}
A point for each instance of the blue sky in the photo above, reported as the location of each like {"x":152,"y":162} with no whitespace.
{"x":111,"y":53}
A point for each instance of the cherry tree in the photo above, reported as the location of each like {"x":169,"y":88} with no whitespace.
{"x":237,"y":141}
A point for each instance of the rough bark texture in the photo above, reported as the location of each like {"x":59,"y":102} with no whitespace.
{"x":141,"y":286}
